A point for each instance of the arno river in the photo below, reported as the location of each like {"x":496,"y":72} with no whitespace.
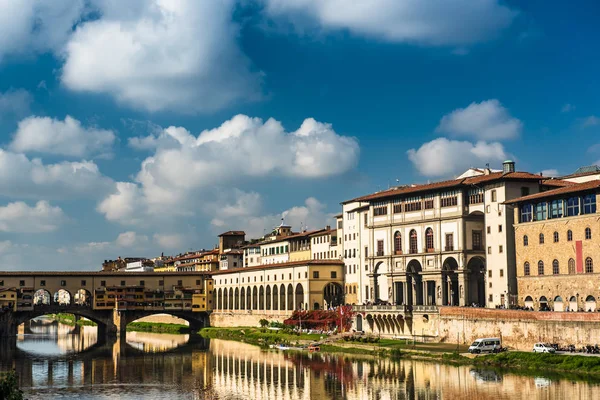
{"x":54,"y":363}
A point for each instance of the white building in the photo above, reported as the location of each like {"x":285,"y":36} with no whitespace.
{"x":140,"y":265}
{"x":323,"y":244}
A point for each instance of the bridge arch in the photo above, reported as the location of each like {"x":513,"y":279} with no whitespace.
{"x":63,"y":297}
{"x":42,"y":297}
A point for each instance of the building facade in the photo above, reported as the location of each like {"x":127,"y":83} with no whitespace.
{"x":557,"y":236}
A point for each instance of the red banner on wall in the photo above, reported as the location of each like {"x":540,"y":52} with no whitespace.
{"x":579,"y":256}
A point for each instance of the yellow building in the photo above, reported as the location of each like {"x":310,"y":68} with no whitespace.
{"x":557,"y":236}
{"x":8,"y":298}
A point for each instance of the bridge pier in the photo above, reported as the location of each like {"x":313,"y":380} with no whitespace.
{"x":8,"y":324}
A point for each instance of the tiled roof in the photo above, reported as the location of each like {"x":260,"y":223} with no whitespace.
{"x":557,"y":182}
{"x":475,"y":180}
{"x":284,"y":238}
{"x":233,"y":233}
{"x":578,"y":187}
{"x":324,"y":232}
{"x":584,"y":171}
{"x":279,"y":265}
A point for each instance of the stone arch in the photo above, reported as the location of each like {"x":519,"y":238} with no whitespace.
{"x":225,"y":299}
{"x":414,"y":283}
{"x":243,"y":298}
{"x":573,"y":306}
{"x":529,"y":302}
{"x":290,"y":297}
{"x":42,"y":297}
{"x":275,"y":298}
{"x":83,"y":297}
{"x":282,"y":304}
{"x":299,"y":296}
{"x":543,"y":303}
{"x":333,"y":294}
{"x":231,"y":299}
{"x":219,"y":299}
{"x":475,"y":291}
{"x":450,"y":290}
{"x":236,"y":303}
{"x":359,"y":322}
{"x":558,"y":304}
{"x":268,"y":298}
{"x":261,"y":298}
{"x":255,"y":298}
{"x":370,"y":322}
{"x":248,"y":298}
{"x":590,"y":303}
{"x":380,"y":282}
{"x":62,"y":297}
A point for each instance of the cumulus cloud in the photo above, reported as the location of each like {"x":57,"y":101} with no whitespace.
{"x":22,"y":218}
{"x":590,"y":121}
{"x":444,"y":157}
{"x":66,"y":138}
{"x":131,"y":239}
{"x":169,"y":241}
{"x":25,"y":178}
{"x":161,"y":55}
{"x":550,"y":172}
{"x":441,"y":22}
{"x":185,"y":168}
{"x":36,"y":26}
{"x":15,"y":102}
{"x":487,"y":120}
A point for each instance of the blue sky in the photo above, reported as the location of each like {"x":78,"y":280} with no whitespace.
{"x":141,"y":127}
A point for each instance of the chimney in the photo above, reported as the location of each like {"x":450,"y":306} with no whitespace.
{"x":328,"y":227}
{"x":508,"y":166}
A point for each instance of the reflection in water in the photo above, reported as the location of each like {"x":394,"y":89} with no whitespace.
{"x":52,"y":363}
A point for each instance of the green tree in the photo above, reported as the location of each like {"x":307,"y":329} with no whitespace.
{"x":9,"y":387}
{"x":263,"y":323}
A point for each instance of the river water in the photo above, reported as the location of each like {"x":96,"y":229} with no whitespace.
{"x":55,"y":363}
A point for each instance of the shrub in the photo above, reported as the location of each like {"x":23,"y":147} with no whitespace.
{"x":9,"y":387}
{"x":263,"y":323}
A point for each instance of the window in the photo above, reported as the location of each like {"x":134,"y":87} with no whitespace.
{"x":501,"y":273}
{"x":316,"y":274}
{"x":556,"y":209}
{"x":83,"y":283}
{"x":555,"y":268}
{"x":102,"y":283}
{"x":449,"y":242}
{"x":526,"y":213}
{"x":366,"y":252}
{"x":489,"y":249}
{"x":380,"y":209}
{"x":397,"y":243}
{"x":429,"y":239}
{"x":413,"y":241}
{"x":397,"y":208}
{"x":571,"y":266}
{"x":540,"y":267}
{"x":500,"y":249}
{"x":526,"y":269}
{"x":588,"y":233}
{"x":353,"y":252}
{"x":499,"y":228}
{"x":179,"y":283}
{"x":541,"y":238}
{"x":476,"y":240}
{"x":525,"y":240}
{"x":412,"y":204}
{"x":569,"y":236}
{"x":21,"y":283}
{"x":428,"y":202}
{"x":366,"y":218}
{"x":524,"y":191}
{"x":143,"y":283}
{"x":489,"y":230}
{"x":42,"y":283}
{"x":494,"y":197}
{"x":333,"y":274}
{"x":122,"y":283}
{"x":589,"y":266}
{"x":589,"y":204}
{"x":379,"y":248}
{"x":341,"y":223}
{"x":573,"y":206}
{"x":555,"y":236}
{"x":449,"y":199}
{"x":476,"y":196}
{"x":161,"y":283}
{"x":2,"y":283}
{"x":541,"y":211}
{"x":489,"y":273}
{"x":63,"y":283}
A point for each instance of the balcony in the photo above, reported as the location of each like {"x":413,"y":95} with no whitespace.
{"x":424,"y":309}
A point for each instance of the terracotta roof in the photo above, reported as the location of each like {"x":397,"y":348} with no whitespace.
{"x":557,"y":182}
{"x":293,"y":236}
{"x":5,"y":289}
{"x":578,"y":187}
{"x":279,"y":265}
{"x":233,"y":233}
{"x":584,"y":171}
{"x":324,"y":232}
{"x":475,"y":180}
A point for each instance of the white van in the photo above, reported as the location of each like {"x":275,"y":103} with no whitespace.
{"x":490,"y":345}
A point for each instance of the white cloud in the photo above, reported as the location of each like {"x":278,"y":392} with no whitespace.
{"x":186,"y":171}
{"x":169,"y":241}
{"x":156,"y":55}
{"x":441,"y":22}
{"x":567,"y":108}
{"x":25,"y":178}
{"x":67,"y":138}
{"x":20,"y":217}
{"x":487,"y":120}
{"x":444,"y":157}
{"x":550,"y":173}
{"x":592,"y":120}
{"x":131,"y":239}
{"x":15,"y":102}
{"x":33,"y":26}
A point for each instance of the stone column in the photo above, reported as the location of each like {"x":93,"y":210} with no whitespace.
{"x":424,"y":293}
{"x":463,"y":290}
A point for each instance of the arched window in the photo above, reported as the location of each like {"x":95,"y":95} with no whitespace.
{"x":429,"y":239}
{"x":555,"y":269}
{"x":540,"y":267}
{"x":398,"y":242}
{"x":589,"y":266}
{"x":569,"y":235}
{"x":526,"y":269}
{"x":413,"y":241}
{"x":571,"y":266}
{"x":525,"y":240}
{"x":541,"y":238}
{"x":555,"y":237}
{"x":588,"y":233}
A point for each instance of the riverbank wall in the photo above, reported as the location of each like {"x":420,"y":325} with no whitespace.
{"x":236,"y":319}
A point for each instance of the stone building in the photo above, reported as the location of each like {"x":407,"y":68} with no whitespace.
{"x":557,"y":235}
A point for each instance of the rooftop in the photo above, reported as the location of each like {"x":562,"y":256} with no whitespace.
{"x":233,"y":233}
{"x":279,"y":265}
{"x":583,"y":171}
{"x":575,"y":188}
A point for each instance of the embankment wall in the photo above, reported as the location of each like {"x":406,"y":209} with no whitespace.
{"x":235,"y":319}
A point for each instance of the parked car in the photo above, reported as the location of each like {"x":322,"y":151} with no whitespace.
{"x":543,"y":348}
{"x":485,"y":345}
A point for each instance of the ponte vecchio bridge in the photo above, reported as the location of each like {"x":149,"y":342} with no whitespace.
{"x":110,"y":299}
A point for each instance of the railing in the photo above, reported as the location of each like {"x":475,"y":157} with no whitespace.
{"x":424,"y":309}
{"x":398,"y":307}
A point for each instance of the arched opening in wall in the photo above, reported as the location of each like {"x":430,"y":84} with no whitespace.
{"x":243,"y":299}
{"x":380,"y":282}
{"x":268,"y":298}
{"x":370,"y":322}
{"x":558,"y":304}
{"x":248,"y":298}
{"x":476,"y":282}
{"x":290,"y":297}
{"x":359,"y":322}
{"x":42,"y":297}
{"x":225,"y":299}
{"x":316,"y":306}
{"x":414,"y":283}
{"x":62,"y":297}
{"x":255,"y":298}
{"x":282,"y":297}
{"x":83,"y":298}
{"x":529,"y":302}
{"x":231,"y":299}
{"x":590,"y":303}
{"x":544,"y":304}
{"x":236,"y":296}
{"x":219,"y":299}
{"x":275,"y":298}
{"x":299,"y":297}
{"x":573,"y":303}
{"x":261,"y":298}
{"x":449,"y":290}
{"x":333,"y":295}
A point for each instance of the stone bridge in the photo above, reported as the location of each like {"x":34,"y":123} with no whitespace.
{"x":393,"y":320}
